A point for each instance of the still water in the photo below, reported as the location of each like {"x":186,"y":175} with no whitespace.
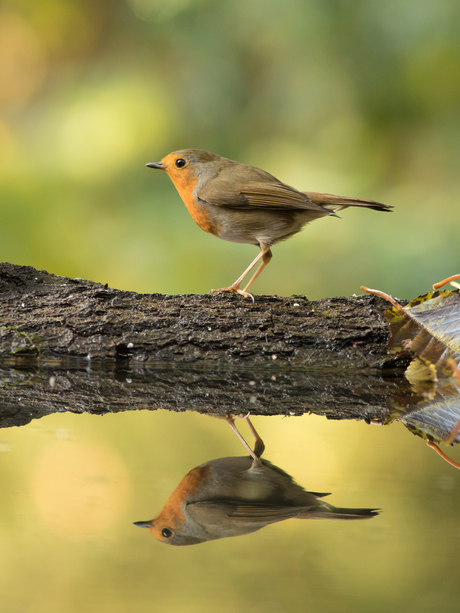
{"x":72,"y":486}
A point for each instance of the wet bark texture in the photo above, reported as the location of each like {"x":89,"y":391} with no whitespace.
{"x":70,"y":344}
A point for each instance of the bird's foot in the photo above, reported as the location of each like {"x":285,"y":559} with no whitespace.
{"x":235,"y":289}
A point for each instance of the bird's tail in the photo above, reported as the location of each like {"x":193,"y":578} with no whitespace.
{"x":336,"y":203}
{"x":330,"y":512}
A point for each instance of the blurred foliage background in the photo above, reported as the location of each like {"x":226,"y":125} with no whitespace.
{"x":354,"y":97}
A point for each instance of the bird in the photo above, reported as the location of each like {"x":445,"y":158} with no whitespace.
{"x":235,"y":496}
{"x":244,"y":204}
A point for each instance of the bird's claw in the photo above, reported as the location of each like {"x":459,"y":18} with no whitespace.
{"x":234,"y":290}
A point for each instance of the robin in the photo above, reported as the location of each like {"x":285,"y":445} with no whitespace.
{"x":244,"y":204}
{"x":236,"y":496}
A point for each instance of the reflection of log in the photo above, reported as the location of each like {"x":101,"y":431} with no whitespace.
{"x":69,"y":344}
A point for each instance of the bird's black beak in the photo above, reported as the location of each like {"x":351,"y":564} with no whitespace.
{"x":156,"y":165}
{"x":142,"y":524}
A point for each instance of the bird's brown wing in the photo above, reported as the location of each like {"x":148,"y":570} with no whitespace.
{"x":243,"y":513}
{"x":269,"y":196}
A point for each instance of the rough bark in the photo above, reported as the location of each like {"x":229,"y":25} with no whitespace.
{"x":70,"y":344}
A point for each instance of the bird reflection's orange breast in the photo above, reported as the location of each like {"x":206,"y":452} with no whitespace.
{"x":199,"y":214}
{"x":187,"y":490}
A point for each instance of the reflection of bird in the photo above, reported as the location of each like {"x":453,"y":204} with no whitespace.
{"x":236,"y":496}
{"x":243,"y":204}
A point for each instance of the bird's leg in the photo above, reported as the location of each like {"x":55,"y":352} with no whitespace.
{"x":231,"y":423}
{"x":266,"y":257}
{"x":259,"y":445}
{"x":235,"y":287}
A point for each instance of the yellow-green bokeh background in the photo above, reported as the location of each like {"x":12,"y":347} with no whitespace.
{"x":351,"y":97}
{"x":354,"y":97}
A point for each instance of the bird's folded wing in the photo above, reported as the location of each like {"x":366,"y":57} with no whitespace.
{"x":214,"y":512}
{"x":270,"y":196}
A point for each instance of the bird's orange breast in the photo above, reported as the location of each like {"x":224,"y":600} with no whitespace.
{"x":198,"y":212}
{"x":187,"y":489}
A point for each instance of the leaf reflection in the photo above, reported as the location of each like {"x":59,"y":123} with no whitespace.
{"x":428,"y":329}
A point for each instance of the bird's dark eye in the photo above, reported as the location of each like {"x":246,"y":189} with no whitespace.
{"x":180,"y":162}
{"x":166,"y":532}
